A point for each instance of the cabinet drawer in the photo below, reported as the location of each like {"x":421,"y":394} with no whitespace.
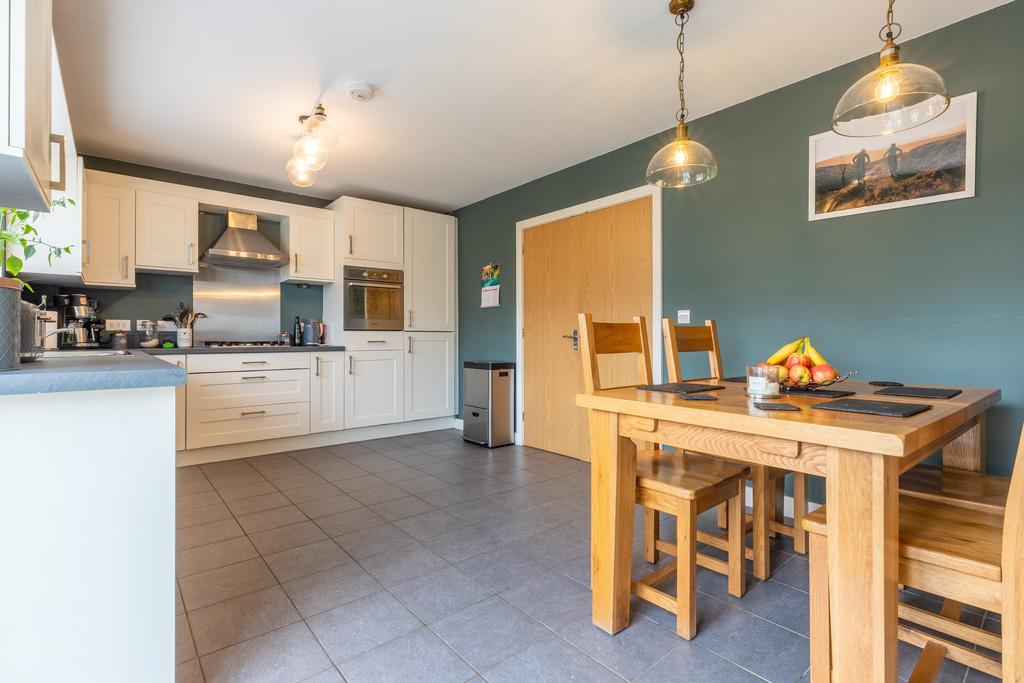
{"x":237,"y":362}
{"x":373,"y":341}
{"x":215,"y":390}
{"x":239,"y":425}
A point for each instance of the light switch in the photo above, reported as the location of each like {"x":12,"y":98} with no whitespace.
{"x":683,"y":317}
{"x":114,"y":325}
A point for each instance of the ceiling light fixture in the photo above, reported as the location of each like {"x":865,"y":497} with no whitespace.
{"x":682,"y":162}
{"x":894,"y":97}
{"x":309,"y":154}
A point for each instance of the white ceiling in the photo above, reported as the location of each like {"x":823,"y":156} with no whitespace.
{"x":475,"y":97}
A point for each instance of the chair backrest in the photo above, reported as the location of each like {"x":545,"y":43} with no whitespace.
{"x":688,"y":339}
{"x":598,"y":339}
{"x":1013,"y":572}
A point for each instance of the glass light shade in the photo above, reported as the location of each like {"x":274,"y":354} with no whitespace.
{"x":299,"y":173}
{"x":682,"y":163}
{"x":893,"y":97}
{"x":318,"y":126}
{"x":311,"y":150}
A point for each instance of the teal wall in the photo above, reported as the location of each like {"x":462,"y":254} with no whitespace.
{"x":930,"y":294}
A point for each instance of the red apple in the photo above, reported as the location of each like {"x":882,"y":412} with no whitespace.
{"x":823,"y":373}
{"x":796,"y":359}
{"x":799,"y":375}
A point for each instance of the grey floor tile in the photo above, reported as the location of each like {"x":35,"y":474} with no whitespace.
{"x":184,"y":649}
{"x":188,"y":672}
{"x":419,"y":656}
{"x":330,"y":676}
{"x":462,"y":544}
{"x":322,"y":507}
{"x":267,"y":501}
{"x":691,"y":662}
{"x":448,"y":496}
{"x":376,"y":539}
{"x":304,"y":560}
{"x":378,"y":494}
{"x":287,"y":654}
{"x":422,"y":484}
{"x":331,"y":588}
{"x":232,"y":621}
{"x":776,"y":602}
{"x":400,"y":474}
{"x":362,"y":625}
{"x":214,"y":555}
{"x":430,"y":524}
{"x":552,"y":598}
{"x":225,"y":583}
{"x":577,"y":569}
{"x":204,"y":534}
{"x":201,"y":515}
{"x":297,"y":482}
{"x":552,"y":660}
{"x":402,"y":564}
{"x":179,"y":606}
{"x":285,"y":537}
{"x":347,"y":522}
{"x":194,"y":500}
{"x":554,"y":546}
{"x":792,"y":572}
{"x":630,"y":651}
{"x":436,"y":595}
{"x":949,"y":672}
{"x":488,"y":632}
{"x":249,"y":490}
{"x":271,"y":519}
{"x":308,"y":493}
{"x":359,"y":482}
{"x":503,"y":569}
{"x":399,"y":508}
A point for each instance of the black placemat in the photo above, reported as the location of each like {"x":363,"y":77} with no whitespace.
{"x":788,"y":407}
{"x":884,"y":383}
{"x":820,"y":393}
{"x":918,"y":392}
{"x":698,"y":397}
{"x":741,"y":380}
{"x":885,"y":408}
{"x":682,"y":387}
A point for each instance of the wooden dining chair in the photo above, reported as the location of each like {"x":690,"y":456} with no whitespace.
{"x":668,"y":482}
{"x":967,"y":556}
{"x":768,"y":482}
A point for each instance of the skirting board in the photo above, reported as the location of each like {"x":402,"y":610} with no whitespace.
{"x":250,"y":449}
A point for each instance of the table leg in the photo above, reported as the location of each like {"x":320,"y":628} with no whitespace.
{"x":863,"y":538}
{"x":967,"y":451}
{"x":612,"y":497}
{"x":762,"y":548}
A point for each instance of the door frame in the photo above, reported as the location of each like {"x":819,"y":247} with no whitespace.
{"x":652,"y":191}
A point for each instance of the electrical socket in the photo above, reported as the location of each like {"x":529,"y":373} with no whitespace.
{"x":683,"y":317}
{"x":115,"y":325}
{"x":165,"y":326}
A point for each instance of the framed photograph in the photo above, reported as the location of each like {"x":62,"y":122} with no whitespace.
{"x":931,"y":163}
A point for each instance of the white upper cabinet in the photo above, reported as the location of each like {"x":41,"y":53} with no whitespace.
{"x":108,"y":236}
{"x":371,"y":233}
{"x":308,"y":242}
{"x":26,"y":40}
{"x":166,"y":232}
{"x":429,"y":271}
{"x":429,"y":375}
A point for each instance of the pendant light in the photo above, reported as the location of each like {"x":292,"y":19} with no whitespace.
{"x":896,"y":96}
{"x":309,"y":154}
{"x":682,"y":162}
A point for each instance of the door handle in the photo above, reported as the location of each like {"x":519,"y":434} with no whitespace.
{"x":296,"y":263}
{"x":254,"y":362}
{"x":350,"y":365}
{"x":575,"y":337}
{"x":191,"y":253}
{"x":318,"y":366}
{"x":124,"y":267}
{"x":410,"y":345}
{"x":61,"y":183}
{"x":376,"y":341}
{"x":253,"y":412}
{"x":254,"y":377}
{"x":350,"y":245}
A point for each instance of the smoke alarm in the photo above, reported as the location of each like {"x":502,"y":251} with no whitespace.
{"x":359,"y":90}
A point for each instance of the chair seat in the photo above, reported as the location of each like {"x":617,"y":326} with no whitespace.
{"x":970,"y":490}
{"x":688,"y":477}
{"x":942,"y":534}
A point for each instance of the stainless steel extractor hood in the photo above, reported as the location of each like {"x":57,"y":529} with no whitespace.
{"x":242,"y":245}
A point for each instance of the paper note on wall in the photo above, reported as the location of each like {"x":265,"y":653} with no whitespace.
{"x":490,"y":285}
{"x":490,"y":297}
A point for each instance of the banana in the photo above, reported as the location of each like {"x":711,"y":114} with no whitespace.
{"x":780,"y":356}
{"x":816,"y":357}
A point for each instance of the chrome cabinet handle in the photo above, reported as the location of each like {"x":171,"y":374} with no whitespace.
{"x":88,"y":252}
{"x":254,"y":362}
{"x":350,"y":245}
{"x":350,"y":365}
{"x":253,"y":412}
{"x":191,"y":253}
{"x":60,"y":184}
{"x":318,"y":366}
{"x":124,"y":267}
{"x":255,"y":377}
{"x":410,"y":317}
{"x":296,"y":263}
{"x":410,"y":345}
{"x":376,"y":341}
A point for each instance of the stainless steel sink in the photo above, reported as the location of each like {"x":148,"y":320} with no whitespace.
{"x":98,"y":353}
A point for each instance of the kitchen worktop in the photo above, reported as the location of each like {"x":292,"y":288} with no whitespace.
{"x":323,"y":348}
{"x":90,"y":371}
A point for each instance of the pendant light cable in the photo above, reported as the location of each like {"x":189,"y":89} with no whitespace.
{"x":681,"y":20}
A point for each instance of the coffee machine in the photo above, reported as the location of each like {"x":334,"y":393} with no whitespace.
{"x":81,"y":327}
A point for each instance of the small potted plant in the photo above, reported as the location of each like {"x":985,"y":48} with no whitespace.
{"x":18,"y":236}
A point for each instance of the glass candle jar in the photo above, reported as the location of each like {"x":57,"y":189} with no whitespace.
{"x":763,"y":381}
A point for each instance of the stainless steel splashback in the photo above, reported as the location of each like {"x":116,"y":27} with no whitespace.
{"x":241,"y":304}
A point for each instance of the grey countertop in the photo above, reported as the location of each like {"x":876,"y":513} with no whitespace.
{"x":90,"y":371}
{"x":242,"y":349}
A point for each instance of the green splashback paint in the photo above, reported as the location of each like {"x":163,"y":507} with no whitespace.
{"x":930,"y":294}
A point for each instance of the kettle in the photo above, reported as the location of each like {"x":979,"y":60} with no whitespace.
{"x":312,"y":332}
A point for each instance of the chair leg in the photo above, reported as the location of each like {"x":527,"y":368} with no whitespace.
{"x":777,"y":508}
{"x":723,"y":516}
{"x":762,"y":555}
{"x":652,"y":531}
{"x":1013,"y":629}
{"x":686,"y":569}
{"x":799,"y":512}
{"x":821,"y":628}
{"x":737,"y":543}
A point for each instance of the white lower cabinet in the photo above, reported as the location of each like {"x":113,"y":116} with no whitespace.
{"x":249,"y":423}
{"x":429,"y":375}
{"x":326,"y":392}
{"x":179,"y":404}
{"x":373,"y":388}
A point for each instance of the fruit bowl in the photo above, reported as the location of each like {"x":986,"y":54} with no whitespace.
{"x":817,"y":385}
{"x":803,"y":367}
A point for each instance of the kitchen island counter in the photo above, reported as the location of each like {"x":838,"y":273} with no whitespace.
{"x":90,"y":371}
{"x":196,"y":350}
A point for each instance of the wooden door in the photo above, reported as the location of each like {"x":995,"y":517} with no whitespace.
{"x":599,"y":263}
{"x":429,"y":271}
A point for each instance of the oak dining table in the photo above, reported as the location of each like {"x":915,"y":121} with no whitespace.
{"x":860,"y":456}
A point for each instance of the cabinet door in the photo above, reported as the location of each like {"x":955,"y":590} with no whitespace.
{"x":429,"y":375}
{"x":309,"y":241}
{"x":108,"y":240}
{"x":429,"y":271}
{"x":375,"y":232}
{"x":373,"y":388}
{"x":166,"y":232}
{"x":327,"y":392}
{"x":179,"y":404}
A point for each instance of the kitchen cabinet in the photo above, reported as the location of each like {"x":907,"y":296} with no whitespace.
{"x":179,"y":403}
{"x":108,"y":236}
{"x":26,"y":43}
{"x":166,"y":232}
{"x":217,"y":390}
{"x":429,"y":271}
{"x":249,"y":423}
{"x":372,"y":233}
{"x":374,"y":388}
{"x":326,"y":392}
{"x":308,"y":241}
{"x":429,"y":375}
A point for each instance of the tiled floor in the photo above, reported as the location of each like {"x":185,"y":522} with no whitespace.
{"x":421,"y":558}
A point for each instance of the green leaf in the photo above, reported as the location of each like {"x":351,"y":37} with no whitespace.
{"x":14,"y":264}
{"x":30,"y":251}
{"x":26,"y":285}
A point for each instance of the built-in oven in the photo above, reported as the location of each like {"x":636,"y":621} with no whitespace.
{"x":373,"y":299}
